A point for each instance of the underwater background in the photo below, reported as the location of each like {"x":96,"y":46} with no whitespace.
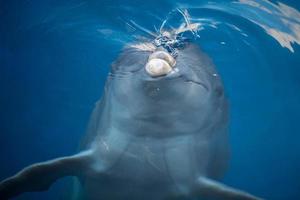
{"x":55,"y":56}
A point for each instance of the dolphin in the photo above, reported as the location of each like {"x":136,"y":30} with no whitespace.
{"x":158,"y":132}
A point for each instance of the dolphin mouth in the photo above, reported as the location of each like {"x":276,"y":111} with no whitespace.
{"x":175,"y":75}
{"x":199,"y":83}
{"x":162,"y":66}
{"x":160,"y":63}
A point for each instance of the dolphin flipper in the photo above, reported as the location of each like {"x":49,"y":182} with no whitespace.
{"x":41,"y":176}
{"x":211,"y":189}
{"x":208,"y":189}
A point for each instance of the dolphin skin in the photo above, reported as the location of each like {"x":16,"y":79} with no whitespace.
{"x":157,"y":133}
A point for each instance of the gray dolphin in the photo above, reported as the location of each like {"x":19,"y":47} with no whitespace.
{"x":158,"y":132}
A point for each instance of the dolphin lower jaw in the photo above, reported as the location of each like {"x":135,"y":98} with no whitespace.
{"x":160,"y":63}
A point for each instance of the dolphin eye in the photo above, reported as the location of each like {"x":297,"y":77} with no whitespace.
{"x":219,"y":91}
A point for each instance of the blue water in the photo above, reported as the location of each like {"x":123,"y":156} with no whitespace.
{"x":55,"y":56}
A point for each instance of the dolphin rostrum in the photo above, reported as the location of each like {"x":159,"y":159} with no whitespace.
{"x":158,"y":132}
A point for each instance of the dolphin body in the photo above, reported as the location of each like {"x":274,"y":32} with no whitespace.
{"x":149,"y":137}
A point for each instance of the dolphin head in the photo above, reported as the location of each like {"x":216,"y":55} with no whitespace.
{"x":162,"y":95}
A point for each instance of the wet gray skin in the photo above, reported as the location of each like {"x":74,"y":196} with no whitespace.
{"x":149,"y":137}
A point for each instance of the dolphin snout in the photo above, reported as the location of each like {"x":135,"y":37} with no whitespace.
{"x":160,"y":63}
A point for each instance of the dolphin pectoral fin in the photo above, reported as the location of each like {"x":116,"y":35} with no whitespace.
{"x":41,"y":176}
{"x":210,"y":189}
